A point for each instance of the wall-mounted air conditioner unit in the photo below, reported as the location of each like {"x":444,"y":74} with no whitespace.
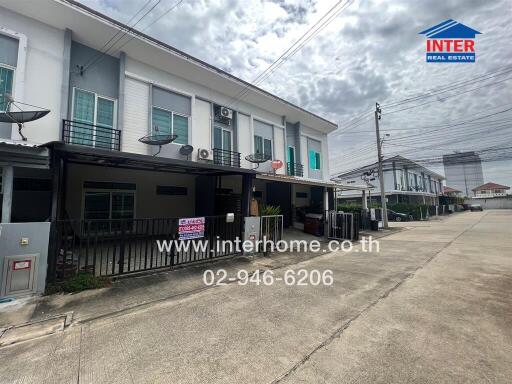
{"x":226,"y":113}
{"x":204,"y":154}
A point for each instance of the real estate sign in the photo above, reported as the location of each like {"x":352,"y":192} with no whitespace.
{"x":191,"y":228}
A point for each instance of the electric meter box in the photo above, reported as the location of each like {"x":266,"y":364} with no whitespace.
{"x":23,"y":258}
{"x":19,"y":275}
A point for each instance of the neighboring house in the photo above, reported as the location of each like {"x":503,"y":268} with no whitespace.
{"x":85,"y":159}
{"x":404,"y":180}
{"x":451,"y":192}
{"x":463,"y":171}
{"x":490,"y":190}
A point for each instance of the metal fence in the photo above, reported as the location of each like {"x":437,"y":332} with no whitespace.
{"x":117,"y":247}
{"x":344,"y":226}
{"x":271,"y":228}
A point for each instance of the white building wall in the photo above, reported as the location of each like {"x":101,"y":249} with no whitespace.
{"x":279,"y":151}
{"x":136,"y":116}
{"x":304,"y":154}
{"x":245,"y":141}
{"x":39,"y":72}
{"x":202,"y":125}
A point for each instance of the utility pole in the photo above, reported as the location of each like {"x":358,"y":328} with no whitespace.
{"x":381,"y":172}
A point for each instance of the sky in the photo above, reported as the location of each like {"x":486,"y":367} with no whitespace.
{"x":371,"y":52}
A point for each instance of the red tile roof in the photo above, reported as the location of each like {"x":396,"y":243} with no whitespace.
{"x":450,"y":189}
{"x":487,"y":186}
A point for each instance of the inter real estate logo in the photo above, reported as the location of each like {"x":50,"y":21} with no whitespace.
{"x":450,"y":42}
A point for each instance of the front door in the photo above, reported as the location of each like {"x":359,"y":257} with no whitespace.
{"x":222,"y":139}
{"x":279,"y":195}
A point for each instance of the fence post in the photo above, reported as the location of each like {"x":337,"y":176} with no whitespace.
{"x":121,"y":248}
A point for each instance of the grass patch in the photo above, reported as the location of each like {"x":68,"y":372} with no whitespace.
{"x":78,"y":283}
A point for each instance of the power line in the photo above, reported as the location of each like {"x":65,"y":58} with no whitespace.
{"x":124,"y":33}
{"x":94,"y":57}
{"x":294,"y":48}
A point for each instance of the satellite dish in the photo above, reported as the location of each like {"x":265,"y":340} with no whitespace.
{"x":158,"y":139}
{"x":20,"y":117}
{"x":257,"y":158}
{"x":186,"y":150}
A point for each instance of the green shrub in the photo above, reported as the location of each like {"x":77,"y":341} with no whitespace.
{"x":270,"y":210}
{"x":79,"y":282}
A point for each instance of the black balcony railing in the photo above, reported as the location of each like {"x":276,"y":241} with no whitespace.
{"x":227,"y":158}
{"x":294,"y":169}
{"x":90,"y":135}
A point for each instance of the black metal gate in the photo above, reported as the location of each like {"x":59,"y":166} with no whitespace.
{"x":117,"y":247}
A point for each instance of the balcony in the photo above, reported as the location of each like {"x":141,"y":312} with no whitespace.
{"x":90,"y":135}
{"x":226,"y":158}
{"x":294,"y":169}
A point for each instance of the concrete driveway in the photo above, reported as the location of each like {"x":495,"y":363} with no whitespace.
{"x":434,"y":305}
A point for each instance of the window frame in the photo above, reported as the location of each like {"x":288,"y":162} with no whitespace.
{"x":13,"y":69}
{"x":317,"y":156}
{"x":95,"y":114}
{"x":110,"y":192}
{"x":172,"y":113}
{"x":263,"y":139}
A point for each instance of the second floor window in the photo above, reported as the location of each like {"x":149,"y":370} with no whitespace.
{"x":263,"y":146}
{"x":6,"y":80}
{"x":314,"y":160}
{"x":94,"y":119}
{"x":170,"y":114}
{"x":170,"y":123}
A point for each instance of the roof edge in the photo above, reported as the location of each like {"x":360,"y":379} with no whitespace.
{"x":137,"y":33}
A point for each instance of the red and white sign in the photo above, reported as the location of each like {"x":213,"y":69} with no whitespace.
{"x":276,"y":164}
{"x":19,"y":265}
{"x":191,"y":228}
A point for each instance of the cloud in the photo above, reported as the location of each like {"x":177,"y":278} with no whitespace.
{"x":371,"y":52}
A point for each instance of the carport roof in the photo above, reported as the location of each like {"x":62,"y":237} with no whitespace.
{"x":305,"y":181}
{"x":23,"y":154}
{"x":108,"y":158}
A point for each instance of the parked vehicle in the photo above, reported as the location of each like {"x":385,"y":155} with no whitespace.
{"x":397,"y":216}
{"x":475,"y":207}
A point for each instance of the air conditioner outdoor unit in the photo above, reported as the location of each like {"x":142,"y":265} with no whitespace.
{"x":226,"y":113}
{"x":204,"y":154}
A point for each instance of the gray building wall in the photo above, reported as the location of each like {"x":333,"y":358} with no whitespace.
{"x":37,"y":234}
{"x":101,"y":78}
{"x":463,"y":171}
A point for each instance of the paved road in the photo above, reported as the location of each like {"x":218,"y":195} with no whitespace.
{"x":434,"y":305}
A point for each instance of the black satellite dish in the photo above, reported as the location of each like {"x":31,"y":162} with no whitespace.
{"x":158,"y":139}
{"x":20,"y":117}
{"x":186,"y":150}
{"x":257,"y":158}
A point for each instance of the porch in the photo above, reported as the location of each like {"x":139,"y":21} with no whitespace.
{"x":300,"y":200}
{"x":109,"y":210}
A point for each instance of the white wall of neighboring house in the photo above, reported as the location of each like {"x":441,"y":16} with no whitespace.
{"x":389,"y":183}
{"x":39,"y":72}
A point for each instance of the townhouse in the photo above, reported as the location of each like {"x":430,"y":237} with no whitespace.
{"x":404,"y":181}
{"x":140,"y":132}
{"x":103,"y":104}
